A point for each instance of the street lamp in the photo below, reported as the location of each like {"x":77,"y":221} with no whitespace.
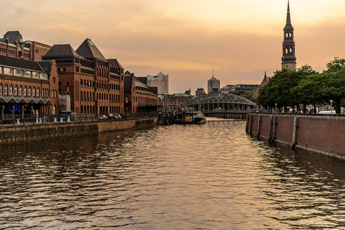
{"x":275,"y":109}
{"x":331,"y":101}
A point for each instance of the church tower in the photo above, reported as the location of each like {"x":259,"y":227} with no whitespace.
{"x":288,"y":58}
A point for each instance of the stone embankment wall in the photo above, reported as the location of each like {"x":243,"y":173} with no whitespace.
{"x":21,"y":133}
{"x":324,"y":134}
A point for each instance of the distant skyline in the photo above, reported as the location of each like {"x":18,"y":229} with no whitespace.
{"x":239,"y":39}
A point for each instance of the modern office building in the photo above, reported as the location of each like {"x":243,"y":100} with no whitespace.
{"x":213,"y":85}
{"x":161,"y":81}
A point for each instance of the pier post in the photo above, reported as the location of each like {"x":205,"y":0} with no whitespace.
{"x":294,"y":134}
{"x":247,"y":124}
{"x":273,"y":133}
{"x":270,"y":129}
{"x":259,"y":126}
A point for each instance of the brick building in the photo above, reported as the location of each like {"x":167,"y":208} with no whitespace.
{"x":28,"y":89}
{"x":13,"y":45}
{"x":172,"y":102}
{"x":139,"y":97}
{"x":95,"y":84}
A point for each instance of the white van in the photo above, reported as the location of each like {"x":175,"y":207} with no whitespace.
{"x":327,"y":112}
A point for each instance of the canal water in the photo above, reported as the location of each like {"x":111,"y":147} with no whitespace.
{"x":211,"y":176}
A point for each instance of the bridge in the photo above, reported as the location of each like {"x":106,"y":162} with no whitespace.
{"x":241,"y":115}
{"x":222,"y":105}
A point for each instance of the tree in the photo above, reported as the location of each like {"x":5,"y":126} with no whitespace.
{"x":334,"y":88}
{"x":279,"y":88}
{"x":309,"y":90}
{"x":335,"y":65}
{"x":249,"y":95}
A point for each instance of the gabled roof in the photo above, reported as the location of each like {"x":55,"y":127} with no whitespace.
{"x":142,"y":79}
{"x":13,"y":36}
{"x":62,"y":51}
{"x":89,"y":50}
{"x":45,"y":65}
{"x":23,"y":64}
{"x":139,"y":83}
{"x":115,"y":63}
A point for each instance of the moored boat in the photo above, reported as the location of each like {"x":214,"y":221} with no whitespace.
{"x":199,"y":118}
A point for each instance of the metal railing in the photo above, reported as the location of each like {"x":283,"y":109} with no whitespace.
{"x":18,"y":120}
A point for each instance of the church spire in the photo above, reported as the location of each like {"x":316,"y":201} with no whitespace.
{"x":288,"y":18}
{"x":288,"y":58}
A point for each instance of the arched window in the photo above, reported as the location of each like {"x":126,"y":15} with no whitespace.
{"x":0,"y":89}
{"x":16,"y":90}
{"x":81,"y":82}
{"x":38,"y":91}
{"x":34,"y":92}
{"x":25,"y":91}
{"x":21,"y":91}
{"x":42,"y":93}
{"x":52,"y":93}
{"x":11,"y":90}
{"x":29,"y":91}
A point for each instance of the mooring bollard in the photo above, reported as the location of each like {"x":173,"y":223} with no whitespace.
{"x":55,"y":120}
{"x":37,"y":121}
{"x":68,"y":119}
{"x":61,"y":119}
{"x":18,"y":123}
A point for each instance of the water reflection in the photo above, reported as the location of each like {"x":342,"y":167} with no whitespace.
{"x":176,"y":177}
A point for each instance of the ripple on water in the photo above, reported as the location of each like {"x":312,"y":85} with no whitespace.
{"x":211,"y":176}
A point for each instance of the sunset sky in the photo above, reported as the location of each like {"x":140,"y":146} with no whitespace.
{"x":239,"y":39}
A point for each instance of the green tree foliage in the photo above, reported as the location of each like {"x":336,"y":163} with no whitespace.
{"x":305,"y":86}
{"x":249,"y":95}
{"x":280,"y":88}
{"x":334,"y":88}
{"x":335,"y":65}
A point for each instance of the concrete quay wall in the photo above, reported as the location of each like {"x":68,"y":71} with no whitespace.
{"x":323,"y":134}
{"x":22,"y":133}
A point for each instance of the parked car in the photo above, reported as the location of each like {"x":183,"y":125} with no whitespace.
{"x":117,"y":116}
{"x":111,"y":116}
{"x":103,"y":117}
